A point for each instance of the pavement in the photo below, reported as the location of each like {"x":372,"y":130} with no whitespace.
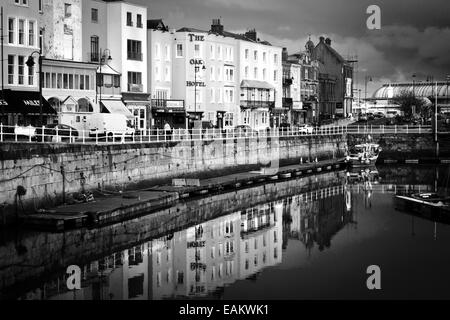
{"x":109,"y":203}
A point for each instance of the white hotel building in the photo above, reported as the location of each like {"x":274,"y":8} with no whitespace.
{"x":223,"y":78}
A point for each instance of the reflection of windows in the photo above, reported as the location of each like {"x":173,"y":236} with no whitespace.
{"x":158,"y":279}
{"x":246,"y":264}
{"x":67,"y":10}
{"x":275,"y":253}
{"x":136,"y":286}
{"x":180,"y":277}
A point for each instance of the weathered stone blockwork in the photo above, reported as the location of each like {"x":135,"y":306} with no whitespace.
{"x":37,"y":167}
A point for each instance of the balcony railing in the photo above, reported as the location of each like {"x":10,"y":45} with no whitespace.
{"x":132,"y":87}
{"x":257,"y":104}
{"x":134,"y":55}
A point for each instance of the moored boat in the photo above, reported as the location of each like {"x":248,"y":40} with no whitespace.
{"x":430,"y":203}
{"x":363,"y":154}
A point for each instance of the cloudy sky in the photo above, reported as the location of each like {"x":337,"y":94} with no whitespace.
{"x":414,"y":36}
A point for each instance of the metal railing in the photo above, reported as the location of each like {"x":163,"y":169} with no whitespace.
{"x":387,"y":129}
{"x":53,"y":134}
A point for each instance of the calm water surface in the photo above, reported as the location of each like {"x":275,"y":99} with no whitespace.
{"x":315,"y":245}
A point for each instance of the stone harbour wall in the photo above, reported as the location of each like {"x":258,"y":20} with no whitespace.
{"x":40,"y":168}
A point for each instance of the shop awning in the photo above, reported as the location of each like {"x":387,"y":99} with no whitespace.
{"x":117,"y":107}
{"x":24,"y":102}
{"x":256,"y":84}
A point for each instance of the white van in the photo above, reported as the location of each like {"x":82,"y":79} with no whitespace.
{"x":110,"y":125}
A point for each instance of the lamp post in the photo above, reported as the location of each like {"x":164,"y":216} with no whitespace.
{"x":30,"y":63}
{"x":413,"y":107}
{"x":105,"y":56}
{"x":1,"y":58}
{"x":197,"y":64}
{"x":366,"y":80}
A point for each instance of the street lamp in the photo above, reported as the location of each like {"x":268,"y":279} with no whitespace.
{"x":197,"y":64}
{"x":30,"y":63}
{"x":413,"y":107}
{"x":366,"y":79}
{"x":105,"y":57}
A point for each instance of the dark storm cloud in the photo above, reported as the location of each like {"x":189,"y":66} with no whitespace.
{"x":414,"y":37}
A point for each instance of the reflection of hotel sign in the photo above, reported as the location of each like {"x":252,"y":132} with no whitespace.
{"x":194,"y":37}
{"x":195,"y":84}
{"x":31,"y":102}
{"x":195,"y":266}
{"x":195,"y":244}
{"x":196,"y":61}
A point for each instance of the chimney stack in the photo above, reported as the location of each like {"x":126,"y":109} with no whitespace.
{"x":328,"y":41}
{"x":322,"y":39}
{"x":251,"y":34}
{"x":284,"y":54}
{"x":216,"y":26}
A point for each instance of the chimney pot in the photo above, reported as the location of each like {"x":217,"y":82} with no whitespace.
{"x":328,"y":41}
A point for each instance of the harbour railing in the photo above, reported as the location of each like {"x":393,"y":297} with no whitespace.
{"x":66,"y":134}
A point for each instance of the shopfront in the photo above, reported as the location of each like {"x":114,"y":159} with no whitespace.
{"x":172,"y":112}
{"x":23,"y":108}
{"x":139,"y":106}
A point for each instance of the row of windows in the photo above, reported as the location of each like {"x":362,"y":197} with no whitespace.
{"x":158,"y":52}
{"x":18,"y":72}
{"x":219,"y":95}
{"x":58,"y":80}
{"x":138,"y":20}
{"x":22,"y":32}
{"x":228,"y":73}
{"x":256,"y":75}
{"x":246,"y":116}
{"x":256,"y":56}
{"x":166,"y":73}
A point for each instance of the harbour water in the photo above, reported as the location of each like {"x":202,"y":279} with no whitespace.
{"x":316,"y":244}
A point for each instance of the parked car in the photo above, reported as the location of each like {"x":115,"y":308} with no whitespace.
{"x":307,"y":129}
{"x":56,"y":133}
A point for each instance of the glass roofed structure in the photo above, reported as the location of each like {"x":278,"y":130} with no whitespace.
{"x":425,"y":90}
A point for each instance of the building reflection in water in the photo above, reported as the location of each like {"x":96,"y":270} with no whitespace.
{"x":203,"y":259}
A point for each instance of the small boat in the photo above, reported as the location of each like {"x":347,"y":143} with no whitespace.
{"x":430,"y":203}
{"x":363,"y":154}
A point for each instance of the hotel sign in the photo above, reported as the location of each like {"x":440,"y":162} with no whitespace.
{"x":196,"y":61}
{"x":31,"y":103}
{"x":195,"y":84}
{"x":194,"y":37}
{"x":195,"y":244}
